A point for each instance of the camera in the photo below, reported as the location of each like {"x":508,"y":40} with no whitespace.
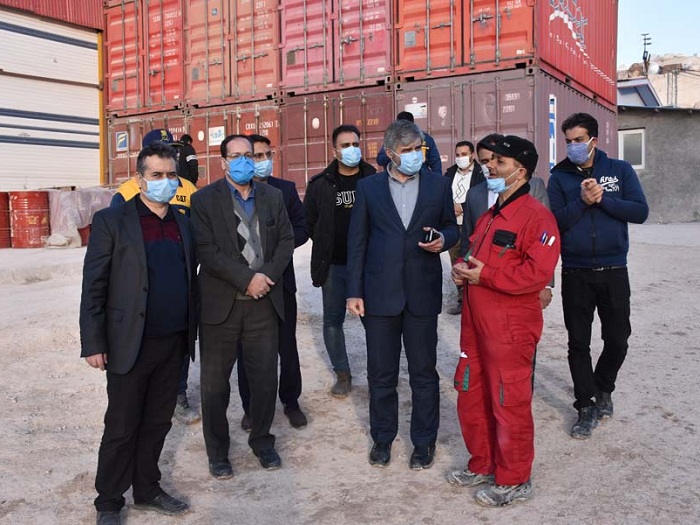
{"x":431,"y":235}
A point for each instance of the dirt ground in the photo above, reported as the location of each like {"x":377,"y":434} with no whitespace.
{"x":642,"y":467}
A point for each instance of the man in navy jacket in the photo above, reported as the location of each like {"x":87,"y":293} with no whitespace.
{"x":395,"y":284}
{"x":593,"y":197}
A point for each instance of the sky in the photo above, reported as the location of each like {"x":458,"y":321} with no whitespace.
{"x":673,"y":26}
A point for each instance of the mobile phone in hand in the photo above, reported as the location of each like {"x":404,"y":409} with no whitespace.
{"x":431,"y":235}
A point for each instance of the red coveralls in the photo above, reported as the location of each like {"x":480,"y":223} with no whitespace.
{"x":501,"y":325}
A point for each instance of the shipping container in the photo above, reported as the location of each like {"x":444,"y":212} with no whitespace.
{"x":207,"y":127}
{"x":144,"y":56}
{"x":307,"y":123}
{"x":334,"y":44}
{"x":232,"y":51}
{"x":82,"y":13}
{"x":529,"y":103}
{"x":50,"y":103}
{"x":124,"y":137}
{"x":576,"y":39}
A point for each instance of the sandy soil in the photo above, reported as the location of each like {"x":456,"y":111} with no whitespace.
{"x":642,"y":467}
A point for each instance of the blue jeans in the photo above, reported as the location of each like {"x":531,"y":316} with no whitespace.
{"x":334,"y":301}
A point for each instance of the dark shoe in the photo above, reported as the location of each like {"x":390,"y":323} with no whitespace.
{"x":604,"y":404}
{"x":455,"y":309}
{"x":165,"y":504}
{"x":502,"y":495}
{"x":108,"y":517}
{"x":467,"y":478}
{"x":296,"y":417}
{"x":343,"y":385}
{"x":247,"y":422}
{"x":422,"y":457}
{"x":380,"y":456}
{"x":587,"y":421}
{"x":221,"y":469}
{"x":183,"y":412}
{"x":269,"y":458}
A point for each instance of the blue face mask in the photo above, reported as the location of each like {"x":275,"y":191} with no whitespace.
{"x":350,"y":156}
{"x":577,"y":152}
{"x":241,"y":170}
{"x":498,"y":185}
{"x":162,"y":190}
{"x":263,"y":169}
{"x":411,"y":163}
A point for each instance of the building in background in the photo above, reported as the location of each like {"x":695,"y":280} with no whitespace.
{"x":50,"y":107}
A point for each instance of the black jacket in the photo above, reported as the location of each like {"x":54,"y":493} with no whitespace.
{"x":319,"y":204}
{"x":477,"y":174}
{"x":189,"y":165}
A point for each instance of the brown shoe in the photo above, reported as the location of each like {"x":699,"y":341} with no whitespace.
{"x":343,"y":385}
{"x":296,"y":417}
{"x":247,"y":422}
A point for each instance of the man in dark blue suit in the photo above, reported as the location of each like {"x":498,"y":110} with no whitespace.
{"x":403,"y":218}
{"x":290,"y":372}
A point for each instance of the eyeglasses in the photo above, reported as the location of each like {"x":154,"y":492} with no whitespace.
{"x":234,"y":156}
{"x":263,"y":156}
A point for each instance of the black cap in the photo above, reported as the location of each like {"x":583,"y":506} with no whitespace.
{"x":519,"y":149}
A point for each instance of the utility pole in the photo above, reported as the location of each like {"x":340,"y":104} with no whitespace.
{"x":646,"y":56}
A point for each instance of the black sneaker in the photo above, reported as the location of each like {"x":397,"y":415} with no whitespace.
{"x":422,"y":457}
{"x":108,"y":517}
{"x":380,"y":455}
{"x":587,"y":421}
{"x":604,"y":404}
{"x":165,"y":504}
{"x":221,"y":469}
{"x":296,"y":417}
{"x":269,"y":458}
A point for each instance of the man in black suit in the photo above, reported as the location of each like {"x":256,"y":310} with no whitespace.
{"x":245,"y":242}
{"x":290,"y":372}
{"x":463,"y":175}
{"x":395,"y":284}
{"x":137,"y":320}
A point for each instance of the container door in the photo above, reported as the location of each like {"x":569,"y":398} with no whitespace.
{"x":205,"y":47}
{"x":363,"y":42}
{"x":208,"y":128}
{"x":428,"y":38}
{"x":163,"y":56}
{"x":371,"y":110}
{"x":254,"y":46}
{"x":306,"y":46}
{"x":498,"y":33}
{"x":122,"y":58}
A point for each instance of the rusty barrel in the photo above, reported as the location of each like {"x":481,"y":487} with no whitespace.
{"x":5,"y":237}
{"x":29,"y":218}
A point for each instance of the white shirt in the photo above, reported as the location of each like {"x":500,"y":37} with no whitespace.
{"x":493,"y":197}
{"x":460,"y":186}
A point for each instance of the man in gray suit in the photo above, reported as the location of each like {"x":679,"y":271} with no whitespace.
{"x":245,"y":241}
{"x":138,"y":320}
{"x":480,"y":199}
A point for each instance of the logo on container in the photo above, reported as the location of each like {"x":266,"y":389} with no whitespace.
{"x":122,"y":141}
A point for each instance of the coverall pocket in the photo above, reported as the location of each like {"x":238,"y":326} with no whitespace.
{"x":461,"y":380}
{"x":516,"y":387}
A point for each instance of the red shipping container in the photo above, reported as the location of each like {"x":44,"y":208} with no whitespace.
{"x":529,"y":103}
{"x":209,"y":126}
{"x":334,"y":44}
{"x":577,"y":39}
{"x":124,"y":137}
{"x":307,"y":123}
{"x":83,"y":13}
{"x":143,"y":56}
{"x":231,"y":48}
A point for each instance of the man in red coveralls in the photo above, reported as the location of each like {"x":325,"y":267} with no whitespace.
{"x":512,"y":255}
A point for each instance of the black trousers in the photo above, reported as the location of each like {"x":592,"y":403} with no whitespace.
{"x":290,"y":371}
{"x":139,"y":412}
{"x":384,"y":335}
{"x":583,"y":291}
{"x":254,"y":325}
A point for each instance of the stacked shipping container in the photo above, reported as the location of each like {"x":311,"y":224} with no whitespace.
{"x":294,"y":69}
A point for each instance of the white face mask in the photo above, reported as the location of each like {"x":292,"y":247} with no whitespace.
{"x":463,"y":162}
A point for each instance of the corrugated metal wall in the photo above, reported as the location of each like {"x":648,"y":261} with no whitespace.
{"x":49,"y":109}
{"x":83,"y":13}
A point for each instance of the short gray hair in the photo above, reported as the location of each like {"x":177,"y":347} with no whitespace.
{"x":401,"y":133}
